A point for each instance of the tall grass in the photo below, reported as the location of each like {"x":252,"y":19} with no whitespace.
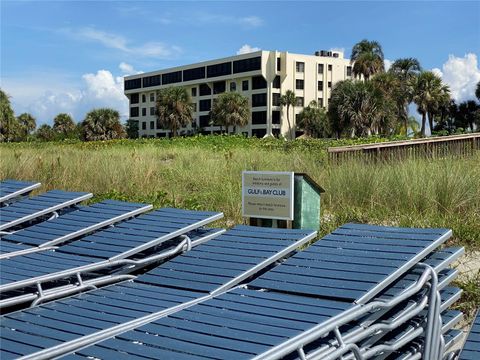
{"x":206,"y":174}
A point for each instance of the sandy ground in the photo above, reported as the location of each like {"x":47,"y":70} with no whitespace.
{"x":468,"y":265}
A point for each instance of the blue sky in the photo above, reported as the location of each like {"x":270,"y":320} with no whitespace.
{"x":70,"y":56}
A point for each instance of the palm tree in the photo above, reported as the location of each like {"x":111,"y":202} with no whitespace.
{"x":429,"y":93}
{"x":45,"y":133}
{"x":64,"y":124}
{"x":289,"y":99}
{"x":477,"y":91}
{"x":467,"y":113}
{"x":131,"y":128}
{"x":174,"y":109}
{"x":230,"y":109}
{"x":405,"y":70}
{"x":27,"y":124}
{"x":8,"y":122}
{"x":313,"y":120}
{"x":102,"y":124}
{"x":367,"y":58}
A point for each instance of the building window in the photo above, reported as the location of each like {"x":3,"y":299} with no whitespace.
{"x":259,"y":117}
{"x":300,"y":67}
{"x":144,"y":111}
{"x":329,"y":67}
{"x":233,"y":86}
{"x":276,"y":82}
{"x":259,"y":100}
{"x":219,"y":69}
{"x":205,"y":90}
{"x":320,"y":102}
{"x":152,"y":97}
{"x":171,"y":78}
{"x":259,"y":133}
{"x":245,"y":85}
{"x":134,"y":111}
{"x":194,"y":74}
{"x":320,"y":68}
{"x":204,"y":120}
{"x":194,"y":107}
{"x":275,"y":99}
{"x":299,"y":84}
{"x":152,"y":111}
{"x":152,"y":125}
{"x":245,"y":65}
{"x":194,"y":91}
{"x":276,"y":117}
{"x":133,"y":84}
{"x":205,"y":105}
{"x":258,"y":82}
{"x":144,"y":98}
{"x":219,"y":87}
{"x":349,"y":71}
{"x":151,"y":81}
{"x":134,"y":98}
{"x":279,"y":64}
{"x":299,"y":101}
{"x":144,"y":125}
{"x":320,"y":86}
{"x":330,"y":84}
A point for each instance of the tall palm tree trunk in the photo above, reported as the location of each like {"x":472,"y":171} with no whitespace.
{"x":430,"y":121}
{"x":424,"y":121}
{"x":288,"y":121}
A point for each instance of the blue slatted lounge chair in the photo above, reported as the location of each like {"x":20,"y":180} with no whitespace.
{"x":69,"y":226}
{"x":11,"y":190}
{"x":471,"y":348}
{"x":111,"y":248}
{"x":221,"y":263}
{"x":38,"y":207}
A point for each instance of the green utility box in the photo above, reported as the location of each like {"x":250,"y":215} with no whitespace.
{"x":306,"y":209}
{"x":306,"y":202}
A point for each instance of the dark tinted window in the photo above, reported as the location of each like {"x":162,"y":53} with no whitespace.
{"x":152,"y":111}
{"x":259,"y":100}
{"x":259,"y":117}
{"x":133,"y":84}
{"x":245,"y":85}
{"x":144,"y":125}
{"x":205,"y":90}
{"x":258,"y":82}
{"x":276,"y":82}
{"x":275,"y":99}
{"x":245,"y":65}
{"x":134,"y":111}
{"x":219,"y":69}
{"x":194,"y":74}
{"x":299,"y":84}
{"x":144,"y":98}
{"x":299,"y":101}
{"x":300,"y":66}
{"x":134,"y":98}
{"x":152,"y":125}
{"x":233,"y":86}
{"x":194,"y":91}
{"x":219,"y":87}
{"x":329,"y":67}
{"x":279,"y":64}
{"x":320,"y":68}
{"x":144,"y":111}
{"x":172,"y":77}
{"x":320,"y":102}
{"x":320,"y":86}
{"x":275,"y":117}
{"x":349,"y":71}
{"x":151,"y":80}
{"x":260,"y":133}
{"x":204,"y":120}
{"x":329,"y":84}
{"x":205,"y":105}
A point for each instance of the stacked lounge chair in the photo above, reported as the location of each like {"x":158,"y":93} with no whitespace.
{"x":11,"y":190}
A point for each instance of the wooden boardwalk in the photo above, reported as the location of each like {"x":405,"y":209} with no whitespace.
{"x":434,"y":147}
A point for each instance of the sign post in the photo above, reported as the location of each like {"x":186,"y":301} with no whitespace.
{"x":268,"y":195}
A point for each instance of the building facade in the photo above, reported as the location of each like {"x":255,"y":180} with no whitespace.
{"x":261,"y":76}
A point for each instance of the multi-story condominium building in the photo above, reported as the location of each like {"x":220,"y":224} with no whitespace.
{"x":261,"y":76}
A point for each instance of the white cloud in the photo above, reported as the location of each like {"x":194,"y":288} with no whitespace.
{"x":245,"y":49}
{"x":252,"y":21}
{"x":94,"y":90}
{"x":461,"y":74}
{"x":114,"y":41}
{"x":388,"y":64}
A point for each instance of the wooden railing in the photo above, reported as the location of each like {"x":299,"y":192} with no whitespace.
{"x":434,"y":147}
